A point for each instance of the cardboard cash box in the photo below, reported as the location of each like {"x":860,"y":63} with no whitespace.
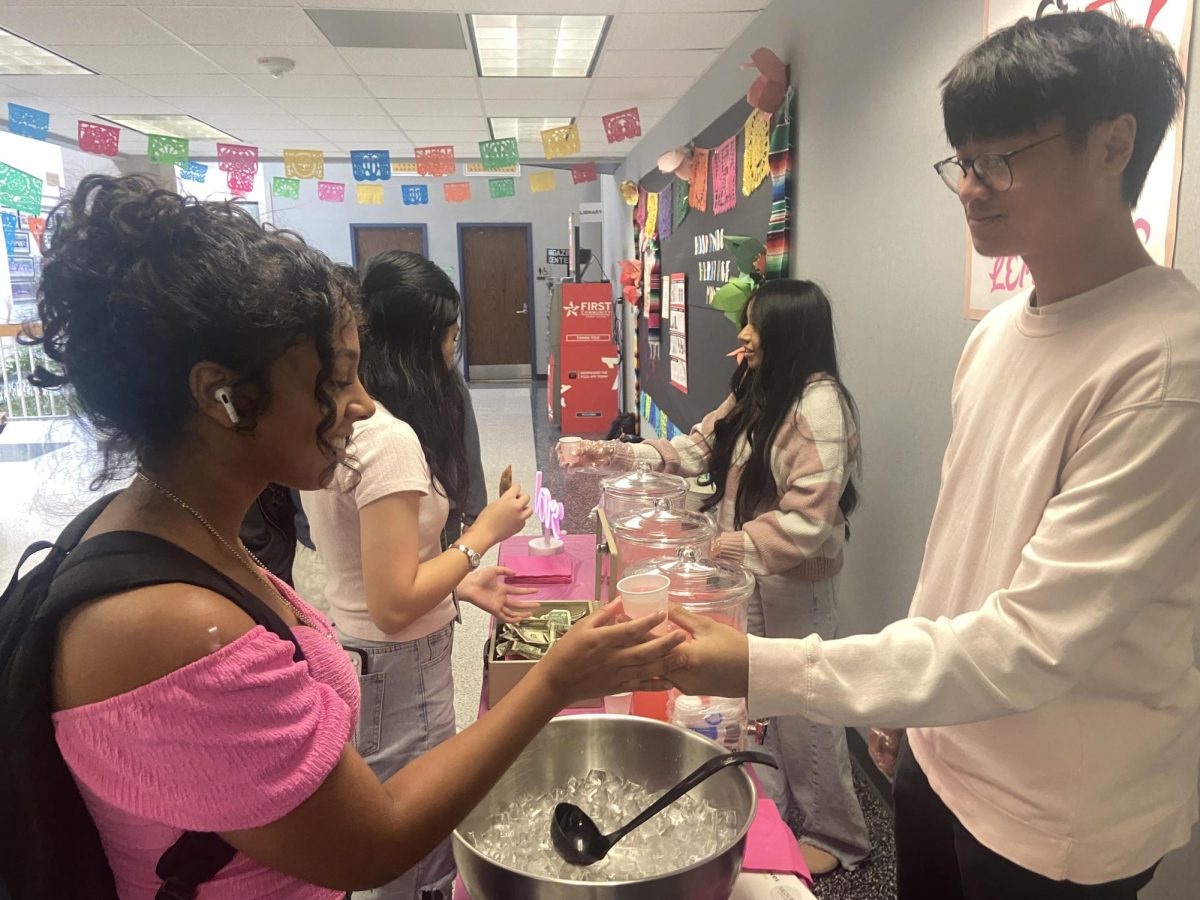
{"x":503,"y":674}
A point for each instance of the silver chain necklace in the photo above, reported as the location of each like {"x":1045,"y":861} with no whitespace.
{"x":257,"y":572}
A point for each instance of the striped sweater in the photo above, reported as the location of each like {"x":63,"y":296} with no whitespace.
{"x":800,"y":534}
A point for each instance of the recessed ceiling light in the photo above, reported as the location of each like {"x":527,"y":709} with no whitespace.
{"x":536,"y":46}
{"x":169,"y":126}
{"x":525,"y":129}
{"x":21,"y":57}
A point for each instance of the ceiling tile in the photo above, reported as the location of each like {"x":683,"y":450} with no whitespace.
{"x":667,"y":31}
{"x":687,"y":6}
{"x":686,"y":63}
{"x":534,"y":88}
{"x":383,"y":61}
{"x":68,"y":85}
{"x":545,"y":108}
{"x":415,"y":107}
{"x":243,"y":59}
{"x":442,"y":123}
{"x":330,"y":106}
{"x":293,"y":137}
{"x":215,"y":106}
{"x":603,"y":107}
{"x":61,"y":26}
{"x":547,"y":7}
{"x":267,"y":27}
{"x":395,"y":86}
{"x":414,"y":5}
{"x":349,"y":123}
{"x":365,"y":139}
{"x":188,"y":85}
{"x":307,"y":85}
{"x":141,"y":105}
{"x":55,"y":107}
{"x":425,"y":138}
{"x":630,"y":90}
{"x":130,"y":59}
{"x":145,"y":4}
{"x":237,"y":120}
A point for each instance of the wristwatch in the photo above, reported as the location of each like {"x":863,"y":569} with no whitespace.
{"x":472,"y":557}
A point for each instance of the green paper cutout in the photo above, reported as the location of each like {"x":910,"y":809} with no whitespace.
{"x":681,"y":203}
{"x":20,"y":190}
{"x":745,"y":252}
{"x":731,"y":298}
{"x":502,"y":187}
{"x":286,"y":187}
{"x":164,"y":150}
{"x":498,"y":154}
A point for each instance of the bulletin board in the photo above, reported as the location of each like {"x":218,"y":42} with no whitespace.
{"x":710,"y":336}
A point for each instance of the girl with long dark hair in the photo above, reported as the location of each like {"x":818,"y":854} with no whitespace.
{"x":393,"y":588}
{"x":166,"y":705}
{"x":780,"y":453}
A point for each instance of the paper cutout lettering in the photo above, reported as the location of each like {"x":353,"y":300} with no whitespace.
{"x":237,"y":157}
{"x":192,"y":171}
{"x":563,"y":141}
{"x":161,"y":149}
{"x":498,"y":154}
{"x":502,"y":187}
{"x":20,"y":190}
{"x":369,"y":194}
{"x":304,"y":164}
{"x":623,"y":125}
{"x":756,"y":155}
{"x":435,"y":161}
{"x":99,"y":139}
{"x":415,"y":194}
{"x":698,"y":192}
{"x":28,"y":122}
{"x":584,"y":172}
{"x":540,"y":182}
{"x":331,"y":191}
{"x":286,"y":187}
{"x":371,"y":165}
{"x":724,"y":176}
{"x":240,"y":180}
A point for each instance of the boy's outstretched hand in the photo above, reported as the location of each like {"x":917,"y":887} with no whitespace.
{"x":715,"y":661}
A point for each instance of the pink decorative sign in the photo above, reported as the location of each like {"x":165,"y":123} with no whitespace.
{"x":236,"y":156}
{"x":549,"y":511}
{"x":623,"y":125}
{"x":331,"y":191}
{"x":724,"y":176}
{"x":435,"y":161}
{"x":97,"y":138}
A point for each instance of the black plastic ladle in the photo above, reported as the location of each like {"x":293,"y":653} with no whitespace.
{"x":579,"y":841}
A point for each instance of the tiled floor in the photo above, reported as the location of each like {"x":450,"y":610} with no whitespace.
{"x":37,"y":496}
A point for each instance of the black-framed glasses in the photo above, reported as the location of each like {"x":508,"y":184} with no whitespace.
{"x":994,"y":170}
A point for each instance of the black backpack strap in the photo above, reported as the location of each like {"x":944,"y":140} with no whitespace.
{"x":121,"y":561}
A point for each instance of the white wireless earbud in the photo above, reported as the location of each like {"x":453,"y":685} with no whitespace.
{"x":221,"y":395}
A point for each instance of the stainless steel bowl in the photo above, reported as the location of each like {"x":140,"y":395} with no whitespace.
{"x":649,"y":752}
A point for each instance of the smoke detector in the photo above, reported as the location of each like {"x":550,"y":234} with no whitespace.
{"x":276,"y":65}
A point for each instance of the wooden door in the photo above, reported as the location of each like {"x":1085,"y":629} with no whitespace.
{"x":497,"y":300}
{"x":371,"y":240}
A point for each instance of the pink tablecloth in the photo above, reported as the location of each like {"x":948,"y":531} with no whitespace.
{"x":770,"y":845}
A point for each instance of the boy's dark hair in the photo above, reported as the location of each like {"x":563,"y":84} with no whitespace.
{"x":1087,"y":67}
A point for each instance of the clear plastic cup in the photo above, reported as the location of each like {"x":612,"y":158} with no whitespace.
{"x":644,"y":595}
{"x":618,"y":704}
{"x":569,"y":450}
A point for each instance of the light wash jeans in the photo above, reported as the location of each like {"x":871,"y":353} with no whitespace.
{"x":407,"y":709}
{"x":812,"y":787}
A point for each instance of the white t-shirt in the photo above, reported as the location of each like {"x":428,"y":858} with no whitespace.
{"x":389,"y":461}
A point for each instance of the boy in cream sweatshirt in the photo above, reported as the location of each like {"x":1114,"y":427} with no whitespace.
{"x":1045,"y":674}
